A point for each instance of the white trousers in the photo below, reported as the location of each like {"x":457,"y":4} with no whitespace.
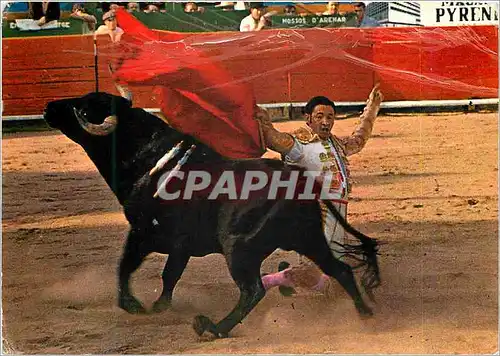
{"x":334,"y":231}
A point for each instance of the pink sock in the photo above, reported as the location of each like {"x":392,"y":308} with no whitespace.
{"x":321,"y":284}
{"x":276,"y":279}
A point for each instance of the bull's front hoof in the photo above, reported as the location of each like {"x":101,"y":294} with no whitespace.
{"x":201,"y":324}
{"x":222,"y":335}
{"x":371,"y":296}
{"x":365,"y":312}
{"x":162,"y":304}
{"x":131,"y":305}
{"x":284,"y":290}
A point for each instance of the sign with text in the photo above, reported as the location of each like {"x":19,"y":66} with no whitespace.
{"x":459,"y":13}
{"x":313,"y":21}
{"x":32,"y":25}
{"x":30,"y":28}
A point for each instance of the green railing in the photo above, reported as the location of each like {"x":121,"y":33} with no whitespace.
{"x":211,"y":20}
{"x":65,"y":27}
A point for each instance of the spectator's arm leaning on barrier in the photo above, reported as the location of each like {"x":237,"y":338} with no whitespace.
{"x":355,"y":143}
{"x":277,"y":141}
{"x":249,"y":24}
{"x":257,"y":19}
{"x":80,"y":14}
{"x":262,"y":23}
{"x":110,"y":27}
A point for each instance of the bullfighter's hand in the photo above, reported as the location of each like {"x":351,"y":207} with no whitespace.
{"x":262,"y":116}
{"x":376,"y":95}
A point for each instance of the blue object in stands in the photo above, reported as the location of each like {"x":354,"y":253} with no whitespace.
{"x":22,"y":6}
{"x":279,"y":3}
{"x":17,"y":7}
{"x":276,"y":3}
{"x":67,"y":6}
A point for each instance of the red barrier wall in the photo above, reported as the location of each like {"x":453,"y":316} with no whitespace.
{"x":410,"y":63}
{"x":451,"y":62}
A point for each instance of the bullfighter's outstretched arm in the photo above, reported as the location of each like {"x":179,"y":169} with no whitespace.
{"x":355,"y":143}
{"x":275,"y":140}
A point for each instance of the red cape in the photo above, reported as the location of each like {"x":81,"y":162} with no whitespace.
{"x":198,"y":96}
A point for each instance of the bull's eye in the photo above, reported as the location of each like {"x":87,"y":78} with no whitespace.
{"x":81,"y":113}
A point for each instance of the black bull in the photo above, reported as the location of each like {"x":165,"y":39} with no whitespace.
{"x":125,"y":143}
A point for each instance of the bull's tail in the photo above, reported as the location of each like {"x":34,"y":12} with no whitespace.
{"x":367,"y":251}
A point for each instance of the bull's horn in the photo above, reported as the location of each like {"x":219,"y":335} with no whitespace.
{"x":104,"y":129}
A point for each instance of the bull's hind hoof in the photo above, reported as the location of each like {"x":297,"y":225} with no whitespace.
{"x":162,"y":304}
{"x":201,"y":324}
{"x":131,"y":305}
{"x":365,"y":312}
{"x":371,"y":296}
{"x":284,"y":290}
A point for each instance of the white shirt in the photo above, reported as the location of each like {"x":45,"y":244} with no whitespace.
{"x":248,"y":24}
{"x":240,"y":5}
{"x":115,"y":34}
{"x":323,"y":158}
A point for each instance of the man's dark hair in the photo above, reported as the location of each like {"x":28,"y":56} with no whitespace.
{"x":318,"y":100}
{"x":257,"y":5}
{"x":289,"y":8}
{"x":360,"y":4}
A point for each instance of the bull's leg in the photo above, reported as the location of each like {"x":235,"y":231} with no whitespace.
{"x":135,"y":252}
{"x":344,"y":275}
{"x":176,"y":263}
{"x":251,"y":292}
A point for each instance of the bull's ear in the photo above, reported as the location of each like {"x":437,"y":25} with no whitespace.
{"x":119,"y":103}
{"x":126,"y":102}
{"x":124,"y":92}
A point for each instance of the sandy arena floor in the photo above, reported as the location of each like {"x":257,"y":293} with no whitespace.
{"x":427,"y":185}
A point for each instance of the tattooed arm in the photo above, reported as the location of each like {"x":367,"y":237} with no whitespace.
{"x":355,"y":143}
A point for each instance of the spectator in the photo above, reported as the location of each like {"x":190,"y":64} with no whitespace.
{"x":154,"y":7}
{"x":44,"y":12}
{"x":240,"y":6}
{"x":110,"y":27}
{"x":78,"y":12}
{"x":151,"y":8}
{"x":362,"y":19}
{"x":110,"y":6}
{"x":257,"y":20}
{"x":290,"y":10}
{"x":332,"y":8}
{"x":161,"y":6}
{"x":191,"y":7}
{"x":226,"y":6}
{"x":132,"y":7}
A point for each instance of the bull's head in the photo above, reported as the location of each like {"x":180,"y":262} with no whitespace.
{"x":123,"y":142}
{"x":95,"y":114}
